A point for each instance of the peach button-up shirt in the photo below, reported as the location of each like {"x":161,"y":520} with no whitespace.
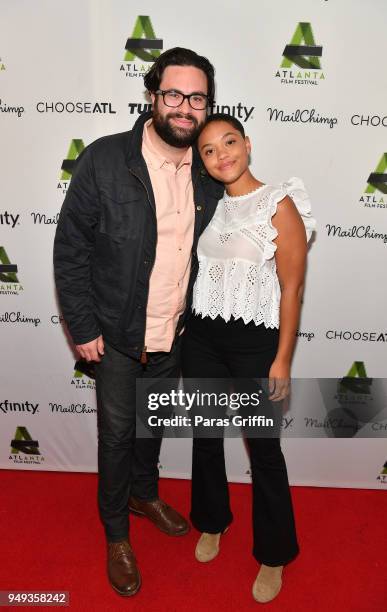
{"x":173,"y":192}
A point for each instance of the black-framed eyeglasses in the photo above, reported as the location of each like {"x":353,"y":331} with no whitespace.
{"x":174,"y":98}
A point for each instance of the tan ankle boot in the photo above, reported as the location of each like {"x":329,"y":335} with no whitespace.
{"x":268,"y":583}
{"x":207,"y":547}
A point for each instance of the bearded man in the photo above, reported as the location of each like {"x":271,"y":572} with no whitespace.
{"x":125,"y":263}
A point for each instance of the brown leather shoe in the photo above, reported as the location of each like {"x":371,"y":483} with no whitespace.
{"x":163,"y":516}
{"x":122,"y":568}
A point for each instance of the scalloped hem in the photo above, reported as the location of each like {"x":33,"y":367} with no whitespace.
{"x":245,"y":320}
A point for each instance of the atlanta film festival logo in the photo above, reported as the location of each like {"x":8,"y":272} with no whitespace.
{"x":382,"y":477}
{"x":24,"y":449}
{"x":68,"y":164}
{"x":84,"y":375}
{"x":141,"y":49}
{"x":374,"y":196}
{"x":375,"y":192}
{"x":352,"y":403}
{"x":9,"y":281}
{"x":301,"y":63}
{"x":66,"y":170}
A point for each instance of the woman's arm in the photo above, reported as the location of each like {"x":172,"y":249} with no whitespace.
{"x":290,"y":259}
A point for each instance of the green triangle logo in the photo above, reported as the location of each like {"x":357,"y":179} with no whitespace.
{"x":143,"y":43}
{"x":302,"y":50}
{"x":68,"y":164}
{"x":7,"y":270}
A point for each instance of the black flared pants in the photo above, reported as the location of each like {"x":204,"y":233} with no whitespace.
{"x":216,"y":349}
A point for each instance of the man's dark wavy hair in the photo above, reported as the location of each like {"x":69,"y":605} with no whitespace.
{"x":178,"y":56}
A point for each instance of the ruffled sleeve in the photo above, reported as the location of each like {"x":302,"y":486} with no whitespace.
{"x":295,"y":189}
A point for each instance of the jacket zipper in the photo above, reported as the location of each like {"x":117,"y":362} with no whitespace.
{"x":143,"y":184}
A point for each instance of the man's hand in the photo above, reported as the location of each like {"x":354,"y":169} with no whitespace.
{"x":91,"y":351}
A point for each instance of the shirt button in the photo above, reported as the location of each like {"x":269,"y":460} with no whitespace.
{"x":198,"y":207}
{"x":180,"y":248}
{"x":146,"y":262}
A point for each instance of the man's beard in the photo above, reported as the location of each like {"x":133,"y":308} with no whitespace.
{"x":178,"y":137}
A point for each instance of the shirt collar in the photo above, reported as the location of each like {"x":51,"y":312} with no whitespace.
{"x":155,"y":157}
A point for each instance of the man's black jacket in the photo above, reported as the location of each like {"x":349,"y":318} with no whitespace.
{"x":105,"y":242}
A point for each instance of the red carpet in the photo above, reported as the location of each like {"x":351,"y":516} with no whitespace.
{"x":51,"y":538}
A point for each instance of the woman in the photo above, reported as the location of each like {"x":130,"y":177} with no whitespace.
{"x":246,"y":307}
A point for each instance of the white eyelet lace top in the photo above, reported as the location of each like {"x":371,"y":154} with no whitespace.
{"x":237,"y":270}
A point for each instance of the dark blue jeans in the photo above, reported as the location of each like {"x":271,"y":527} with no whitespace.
{"x":127,"y":465}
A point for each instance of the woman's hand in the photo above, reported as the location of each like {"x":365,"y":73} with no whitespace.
{"x":279,"y":380}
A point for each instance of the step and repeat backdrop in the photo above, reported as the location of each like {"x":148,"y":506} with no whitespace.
{"x":308,"y":81}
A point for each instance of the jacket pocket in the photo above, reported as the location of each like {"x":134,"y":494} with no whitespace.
{"x":121,"y":210}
